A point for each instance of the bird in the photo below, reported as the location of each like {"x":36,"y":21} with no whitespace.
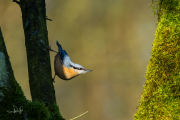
{"x":64,"y":67}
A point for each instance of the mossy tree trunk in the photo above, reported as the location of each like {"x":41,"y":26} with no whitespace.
{"x":13,"y":103}
{"x":5,"y":66}
{"x":36,"y":38}
{"x":161,"y":97}
{"x":11,"y":93}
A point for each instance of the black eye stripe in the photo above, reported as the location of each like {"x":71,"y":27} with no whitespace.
{"x":78,"y":68}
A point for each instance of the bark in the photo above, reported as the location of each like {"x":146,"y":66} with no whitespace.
{"x":5,"y":65}
{"x":36,"y":41}
{"x":36,"y":38}
{"x":10,"y":92}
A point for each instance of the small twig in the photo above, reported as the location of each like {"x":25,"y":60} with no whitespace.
{"x":49,"y":48}
{"x":16,"y":2}
{"x":52,"y":50}
{"x":48,"y":18}
{"x":79,"y":116}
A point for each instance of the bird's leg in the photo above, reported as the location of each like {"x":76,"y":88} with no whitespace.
{"x":54,"y":78}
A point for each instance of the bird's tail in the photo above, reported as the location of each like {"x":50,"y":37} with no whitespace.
{"x":61,"y":51}
{"x":57,"y":43}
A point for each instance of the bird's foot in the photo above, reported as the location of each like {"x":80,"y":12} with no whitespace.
{"x":54,"y":78}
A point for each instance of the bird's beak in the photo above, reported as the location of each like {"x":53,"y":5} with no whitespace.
{"x":88,"y":70}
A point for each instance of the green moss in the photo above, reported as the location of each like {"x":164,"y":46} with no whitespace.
{"x":35,"y":110}
{"x":161,"y":97}
{"x":55,"y":114}
{"x":161,"y":7}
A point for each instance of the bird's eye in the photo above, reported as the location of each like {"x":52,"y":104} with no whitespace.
{"x":78,"y":68}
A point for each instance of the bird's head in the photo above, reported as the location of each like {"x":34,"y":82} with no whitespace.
{"x":80,"y":69}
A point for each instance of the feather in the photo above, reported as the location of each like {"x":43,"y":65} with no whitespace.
{"x":65,"y":59}
{"x":62,"y":71}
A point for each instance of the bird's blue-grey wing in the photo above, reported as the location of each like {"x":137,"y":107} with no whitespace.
{"x":65,"y":59}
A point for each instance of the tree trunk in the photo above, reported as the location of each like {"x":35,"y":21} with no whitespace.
{"x":5,"y":66}
{"x":11,"y":93}
{"x":161,"y":99}
{"x":36,"y":40}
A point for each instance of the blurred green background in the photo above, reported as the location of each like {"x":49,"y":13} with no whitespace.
{"x":111,"y":37}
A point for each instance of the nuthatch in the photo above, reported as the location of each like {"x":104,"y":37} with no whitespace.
{"x":64,"y":67}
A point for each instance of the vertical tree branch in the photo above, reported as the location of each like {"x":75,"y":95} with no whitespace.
{"x":34,"y":23}
{"x":36,"y":37}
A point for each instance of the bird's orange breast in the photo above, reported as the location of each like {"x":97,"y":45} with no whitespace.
{"x":62,"y":71}
{"x":69,"y":72}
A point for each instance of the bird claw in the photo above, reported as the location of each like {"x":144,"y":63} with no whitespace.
{"x":53,"y":78}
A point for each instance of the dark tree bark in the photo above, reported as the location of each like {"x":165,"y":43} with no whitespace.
{"x":10,"y":92}
{"x":36,"y":38}
{"x":5,"y":65}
